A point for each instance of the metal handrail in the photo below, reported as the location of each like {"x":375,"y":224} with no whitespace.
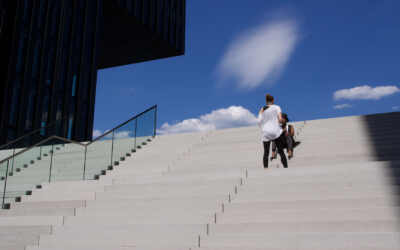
{"x":40,"y":143}
{"x":76,"y":142}
{"x":122,"y":124}
{"x":61,"y":140}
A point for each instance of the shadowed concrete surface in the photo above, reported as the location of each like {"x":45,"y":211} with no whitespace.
{"x":209,"y":190}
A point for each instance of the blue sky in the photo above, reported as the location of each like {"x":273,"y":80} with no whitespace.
{"x":300,"y":51}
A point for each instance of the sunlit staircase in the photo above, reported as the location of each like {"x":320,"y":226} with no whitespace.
{"x":209,"y":191}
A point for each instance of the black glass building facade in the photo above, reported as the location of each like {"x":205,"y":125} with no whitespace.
{"x":51,"y":51}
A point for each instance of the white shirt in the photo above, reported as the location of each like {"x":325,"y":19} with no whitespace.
{"x":269,"y":123}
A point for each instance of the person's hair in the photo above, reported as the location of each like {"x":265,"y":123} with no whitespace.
{"x":284,"y":116}
{"x":269,"y":98}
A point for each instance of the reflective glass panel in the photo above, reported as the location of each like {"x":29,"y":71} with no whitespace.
{"x":68,"y":162}
{"x":98,"y":157}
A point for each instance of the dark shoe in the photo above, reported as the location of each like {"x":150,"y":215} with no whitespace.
{"x":295,"y":144}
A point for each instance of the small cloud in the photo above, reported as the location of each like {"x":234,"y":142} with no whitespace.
{"x":234,"y":116}
{"x":342,"y":106}
{"x":118,"y":135}
{"x":396,"y":107}
{"x":122,"y":134}
{"x":97,"y":133}
{"x":365,"y":93}
{"x":260,"y":55}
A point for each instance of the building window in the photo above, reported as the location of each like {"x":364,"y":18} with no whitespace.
{"x":43,"y":128}
{"x":74,"y":85}
{"x":129,"y":6}
{"x":160,"y":18}
{"x":29,"y":115}
{"x":138,"y":8}
{"x":172,"y":35}
{"x":70,"y":123}
{"x":45,"y":106}
{"x":50,"y":65}
{"x":166,"y":10}
{"x":2,"y":20}
{"x":20,"y":53}
{"x":36,"y":58}
{"x":145,"y":18}
{"x":27,"y":4}
{"x":14,"y":103}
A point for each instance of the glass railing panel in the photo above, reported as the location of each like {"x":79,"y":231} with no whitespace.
{"x":98,"y":157}
{"x":123,"y":141}
{"x":67,"y":161}
{"x":24,"y":160}
{"x":145,"y":128}
{"x":5,"y":153}
{"x":31,"y":174}
{"x":61,"y":160}
{"x":3,"y":175}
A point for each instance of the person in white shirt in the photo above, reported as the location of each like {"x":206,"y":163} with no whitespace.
{"x":269,"y":120}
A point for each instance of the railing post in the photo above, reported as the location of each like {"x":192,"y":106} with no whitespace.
{"x":135,"y":132}
{"x":51,"y":161}
{"x":84,"y":164}
{"x":5,"y":186}
{"x":155,"y":122}
{"x":12,"y":164}
{"x":112,"y":148}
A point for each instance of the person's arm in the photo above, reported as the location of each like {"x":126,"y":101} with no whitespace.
{"x":291,"y":130}
{"x":259,"y":118}
{"x":280,"y":119}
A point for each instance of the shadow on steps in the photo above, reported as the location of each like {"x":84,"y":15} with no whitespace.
{"x":387,"y":148}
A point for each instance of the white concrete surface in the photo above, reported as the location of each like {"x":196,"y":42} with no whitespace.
{"x":341,"y":191}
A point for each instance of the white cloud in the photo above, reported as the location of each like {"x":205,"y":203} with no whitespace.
{"x":365,"y":93}
{"x":260,"y":55}
{"x":342,"y":106}
{"x":118,"y":135}
{"x":396,"y":107}
{"x":234,"y":116}
{"x":122,"y":134}
{"x":97,"y":133}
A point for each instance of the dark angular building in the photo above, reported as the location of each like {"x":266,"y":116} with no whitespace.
{"x":51,"y":51}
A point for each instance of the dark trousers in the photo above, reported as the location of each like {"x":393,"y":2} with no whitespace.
{"x":280,"y":144}
{"x":289,"y":142}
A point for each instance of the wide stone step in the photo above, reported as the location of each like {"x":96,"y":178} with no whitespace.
{"x":314,"y":215}
{"x":120,"y":237}
{"x":259,"y":229}
{"x":30,"y":220}
{"x":116,"y":247}
{"x":313,"y":204}
{"x":342,"y":241}
{"x":124,"y":220}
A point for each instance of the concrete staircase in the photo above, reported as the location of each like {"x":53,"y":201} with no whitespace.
{"x":209,"y":190}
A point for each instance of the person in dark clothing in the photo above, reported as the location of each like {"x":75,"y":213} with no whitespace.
{"x":269,"y":119}
{"x":289,"y":142}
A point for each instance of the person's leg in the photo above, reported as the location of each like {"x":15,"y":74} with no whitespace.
{"x":273,"y":151}
{"x":280,"y":144}
{"x":266,"y":153}
{"x":289,"y":144}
